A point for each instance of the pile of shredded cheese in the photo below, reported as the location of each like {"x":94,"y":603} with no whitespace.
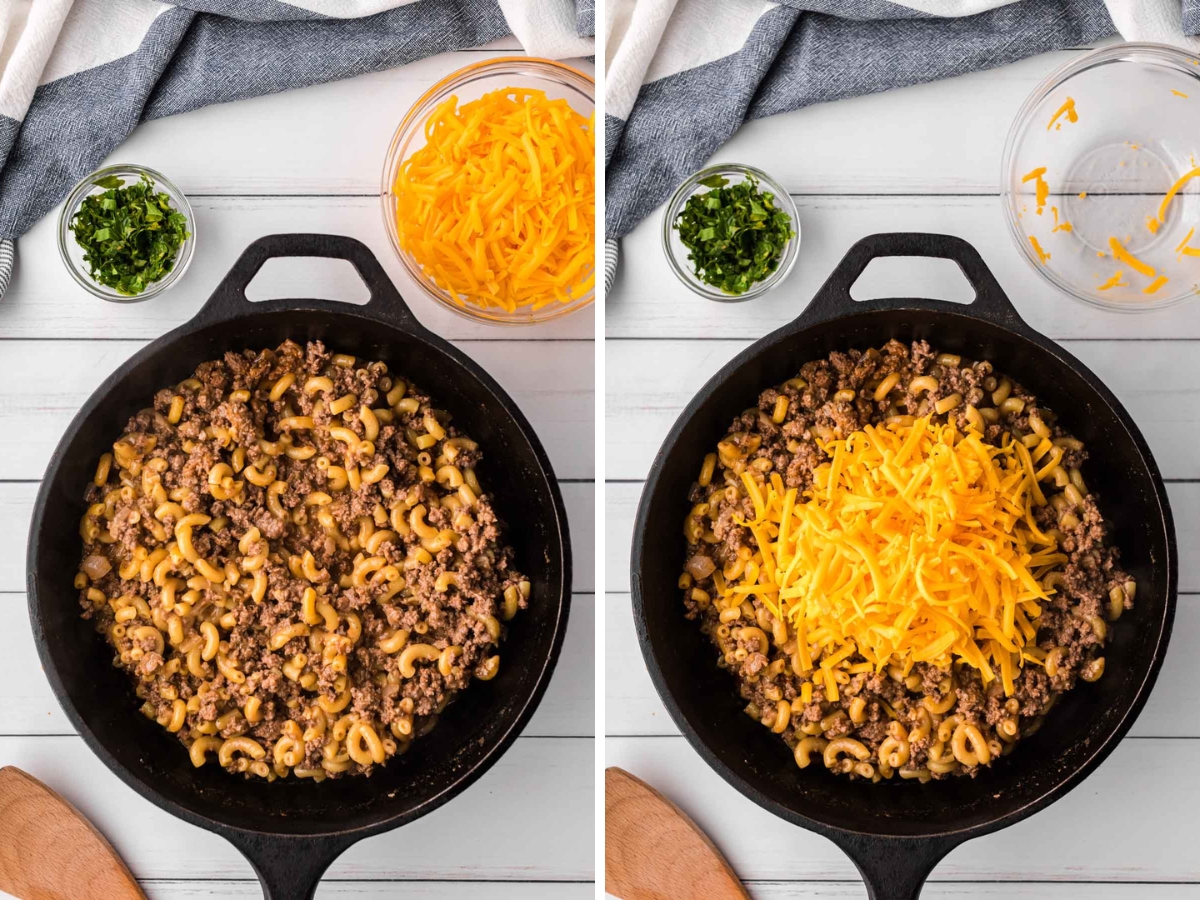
{"x":917,"y":543}
{"x":498,"y":207}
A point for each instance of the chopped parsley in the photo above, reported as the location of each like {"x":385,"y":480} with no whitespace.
{"x":130,"y":235}
{"x":736,"y":234}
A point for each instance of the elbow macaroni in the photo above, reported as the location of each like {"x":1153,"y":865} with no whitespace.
{"x":220,"y":582}
{"x":896,"y":714}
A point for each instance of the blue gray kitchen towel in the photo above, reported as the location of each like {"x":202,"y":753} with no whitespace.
{"x":77,"y":76}
{"x":683,"y":75}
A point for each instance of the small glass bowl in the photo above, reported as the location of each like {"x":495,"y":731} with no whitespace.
{"x":559,"y":81}
{"x":72,"y":254}
{"x":677,"y":253}
{"x":1137,"y":132}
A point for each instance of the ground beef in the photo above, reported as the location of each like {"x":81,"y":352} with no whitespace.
{"x":831,"y":398}
{"x":346,"y":575}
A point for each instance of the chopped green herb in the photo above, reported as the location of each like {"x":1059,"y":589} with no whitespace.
{"x":736,"y":234}
{"x":130,"y":235}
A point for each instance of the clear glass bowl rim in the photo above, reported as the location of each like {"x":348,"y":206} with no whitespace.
{"x":1164,"y":53}
{"x":549,"y":68}
{"x":681,"y":195}
{"x":71,"y":205}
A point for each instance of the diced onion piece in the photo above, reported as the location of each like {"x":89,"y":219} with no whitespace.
{"x":700,"y":566}
{"x":96,"y":567}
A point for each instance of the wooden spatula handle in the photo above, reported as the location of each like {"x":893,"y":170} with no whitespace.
{"x":48,"y":850}
{"x":653,"y":851}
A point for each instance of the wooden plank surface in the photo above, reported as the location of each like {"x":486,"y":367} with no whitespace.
{"x":1133,"y":820}
{"x":43,"y":301}
{"x":305,"y":160}
{"x":409,"y":890}
{"x":944,"y":137}
{"x":648,"y":301}
{"x":920,"y":159}
{"x":649,"y":385}
{"x":324,"y":139}
{"x":465,"y":839}
{"x":977,"y":890}
{"x":551,"y":381}
{"x":782,"y":890}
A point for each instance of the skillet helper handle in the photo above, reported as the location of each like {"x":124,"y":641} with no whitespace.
{"x":990,"y":303}
{"x":289,"y":868}
{"x":229,"y":300}
{"x":894,"y":868}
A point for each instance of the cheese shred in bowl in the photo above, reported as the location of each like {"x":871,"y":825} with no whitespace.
{"x":498,"y":206}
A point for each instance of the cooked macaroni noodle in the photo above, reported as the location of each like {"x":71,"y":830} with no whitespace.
{"x":897,"y":555}
{"x":288,"y":591}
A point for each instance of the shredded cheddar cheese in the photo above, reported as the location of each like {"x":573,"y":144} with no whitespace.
{"x":1113,"y":282}
{"x":1068,"y":109}
{"x":1037,"y":248}
{"x":1122,"y":255}
{"x":1064,"y":225}
{"x":1183,"y":245}
{"x":1175,"y":189}
{"x":1041,"y":188}
{"x":1152,"y":287}
{"x":498,"y":206}
{"x":916,"y":543}
{"x":1179,"y":93}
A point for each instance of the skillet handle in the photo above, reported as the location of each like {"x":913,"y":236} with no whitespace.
{"x":229,"y":301}
{"x":894,"y":868}
{"x":289,"y":868}
{"x":991,"y":303}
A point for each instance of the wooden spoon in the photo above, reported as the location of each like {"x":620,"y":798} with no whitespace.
{"x":49,"y":851}
{"x":653,"y":851}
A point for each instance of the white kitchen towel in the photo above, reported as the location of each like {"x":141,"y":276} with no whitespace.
{"x":1172,"y":22}
{"x":683,"y":75}
{"x":77,"y":76}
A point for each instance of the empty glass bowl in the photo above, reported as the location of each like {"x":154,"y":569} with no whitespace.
{"x":1087,"y":166}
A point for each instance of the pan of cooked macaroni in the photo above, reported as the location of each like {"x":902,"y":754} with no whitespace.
{"x":299,"y":572}
{"x":904,"y":571}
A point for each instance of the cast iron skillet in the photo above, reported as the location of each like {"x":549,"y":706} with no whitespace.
{"x":896,"y":832}
{"x":292,"y":830}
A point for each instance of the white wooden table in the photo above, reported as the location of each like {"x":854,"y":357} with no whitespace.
{"x":925,"y":158}
{"x":308,"y":160}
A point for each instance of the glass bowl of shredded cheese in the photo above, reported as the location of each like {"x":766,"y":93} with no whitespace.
{"x":1101,"y":177}
{"x":489,"y":191}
